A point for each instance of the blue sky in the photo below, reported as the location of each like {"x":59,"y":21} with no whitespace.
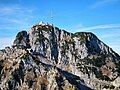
{"x":102,"y":17}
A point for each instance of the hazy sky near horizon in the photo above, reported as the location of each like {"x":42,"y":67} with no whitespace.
{"x":102,"y":17}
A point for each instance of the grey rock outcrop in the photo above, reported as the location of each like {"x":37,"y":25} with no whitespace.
{"x":48,"y":58}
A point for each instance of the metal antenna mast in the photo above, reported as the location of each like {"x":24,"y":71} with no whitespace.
{"x":51,"y":17}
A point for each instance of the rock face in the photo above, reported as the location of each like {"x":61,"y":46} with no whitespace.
{"x":48,"y":58}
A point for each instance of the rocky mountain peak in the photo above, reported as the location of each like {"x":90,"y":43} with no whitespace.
{"x":48,"y":58}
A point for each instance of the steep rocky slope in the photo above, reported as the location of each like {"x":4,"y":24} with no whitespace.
{"x":48,"y":58}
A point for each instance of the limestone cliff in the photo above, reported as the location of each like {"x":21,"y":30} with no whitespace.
{"x":48,"y":58}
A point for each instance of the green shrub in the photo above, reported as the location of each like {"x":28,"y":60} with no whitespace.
{"x":25,"y":57}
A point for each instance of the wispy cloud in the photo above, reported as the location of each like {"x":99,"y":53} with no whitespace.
{"x":115,"y":47}
{"x":16,"y":9}
{"x":104,"y":26}
{"x":102,"y":3}
{"x":16,"y":16}
{"x":6,"y":10}
{"x":6,"y":41}
{"x":112,"y":41}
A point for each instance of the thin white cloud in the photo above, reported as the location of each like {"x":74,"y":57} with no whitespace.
{"x":6,"y":41}
{"x":15,"y":24}
{"x":10,"y":10}
{"x":16,"y":17}
{"x":107,"y":36}
{"x":102,"y":3}
{"x":105,"y":26}
{"x":79,"y":26}
{"x":6,"y":10}
{"x":111,"y":35}
{"x":115,"y":47}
